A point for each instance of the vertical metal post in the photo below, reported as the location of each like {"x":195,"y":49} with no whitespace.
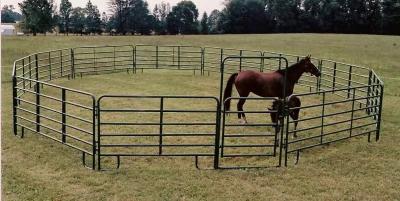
{"x":37,"y":90}
{"x":334,"y":77}
{"x":221,"y":60}
{"x":179,"y":57}
{"x":369,"y":92}
{"x":36,"y":68}
{"x":72,"y":64}
{"x":133,"y":59}
{"x":217,"y":135}
{"x":14,"y":83}
{"x":202,"y":61}
{"x":157,"y":57}
{"x":30,"y":72}
{"x":50,"y":65}
{"x":23,"y":73}
{"x":374,"y":93}
{"x":161,"y":125}
{"x":61,"y":63}
{"x":378,"y":126}
{"x":349,"y":81}
{"x":221,"y":102}
{"x":286,"y":136}
{"x":173,"y":56}
{"x":113,"y":58}
{"x":240,"y":61}
{"x":63,"y":116}
{"x":94,"y":60}
{"x":280,"y":61}
{"x":352,"y":112}
{"x":319,"y":79}
{"x":323,"y":116}
{"x":94,"y":134}
{"x":262,"y":62}
{"x":98,"y":135}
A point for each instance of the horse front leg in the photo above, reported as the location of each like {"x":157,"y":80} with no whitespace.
{"x":240,"y":111}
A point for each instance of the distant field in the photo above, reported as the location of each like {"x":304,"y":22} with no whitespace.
{"x":38,"y":169}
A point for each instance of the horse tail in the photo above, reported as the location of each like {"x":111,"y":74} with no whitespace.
{"x":228,"y":91}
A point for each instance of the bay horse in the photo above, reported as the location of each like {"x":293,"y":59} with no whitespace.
{"x":293,"y":103}
{"x":267,"y":84}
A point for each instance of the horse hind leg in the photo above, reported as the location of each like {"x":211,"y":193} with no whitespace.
{"x":240,"y":107}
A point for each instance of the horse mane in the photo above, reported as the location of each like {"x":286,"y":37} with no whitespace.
{"x":282,"y":71}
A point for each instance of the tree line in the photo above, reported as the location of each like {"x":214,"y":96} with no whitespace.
{"x":237,"y":17}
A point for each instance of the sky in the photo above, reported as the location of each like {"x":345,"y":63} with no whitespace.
{"x":202,"y":5}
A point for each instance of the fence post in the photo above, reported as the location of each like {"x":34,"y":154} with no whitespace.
{"x":14,"y":83}
{"x":378,"y":126}
{"x":37,"y":91}
{"x":352,"y":112}
{"x":334,"y":77}
{"x":36,"y":68}
{"x":173,"y":56}
{"x":240,"y":61}
{"x":262,"y":62}
{"x":63,"y":117}
{"x":349,"y":81}
{"x":369,"y":92}
{"x":61,"y":63}
{"x":50,"y":65}
{"x":30,"y":72}
{"x":98,"y":132}
{"x":179,"y":57}
{"x":319,"y":79}
{"x":280,"y":61}
{"x":94,"y":61}
{"x":202,"y":61}
{"x":72,"y":64}
{"x":157,"y":57}
{"x":286,"y":143}
{"x":23,"y":73}
{"x":222,"y":58}
{"x":161,"y":125}
{"x":217,"y":135}
{"x":94,"y":113}
{"x":323,"y":116}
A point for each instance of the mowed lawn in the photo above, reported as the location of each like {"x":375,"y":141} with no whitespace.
{"x":36,"y":168}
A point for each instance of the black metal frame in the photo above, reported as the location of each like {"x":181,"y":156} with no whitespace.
{"x":354,"y":84}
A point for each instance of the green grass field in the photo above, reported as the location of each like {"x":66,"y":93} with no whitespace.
{"x":35,"y":168}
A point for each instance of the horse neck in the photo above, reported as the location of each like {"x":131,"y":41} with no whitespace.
{"x":294,"y":73}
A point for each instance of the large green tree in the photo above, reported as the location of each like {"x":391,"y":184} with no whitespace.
{"x":64,"y":16}
{"x":204,"y":27}
{"x":213,"y":22}
{"x":160,"y":13}
{"x":78,"y":20}
{"x":391,"y":16}
{"x":93,"y":20}
{"x":183,"y":18}
{"x":131,"y":16}
{"x":8,"y":15}
{"x":245,"y":16}
{"x":38,"y":15}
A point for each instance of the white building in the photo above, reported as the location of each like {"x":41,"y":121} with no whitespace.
{"x":7,"y":30}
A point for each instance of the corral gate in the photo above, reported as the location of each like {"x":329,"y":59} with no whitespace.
{"x":146,"y":126}
{"x":258,"y":138}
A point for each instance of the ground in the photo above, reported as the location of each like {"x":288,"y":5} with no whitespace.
{"x":38,"y":169}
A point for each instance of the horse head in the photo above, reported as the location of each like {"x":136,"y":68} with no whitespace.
{"x":309,"y":67}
